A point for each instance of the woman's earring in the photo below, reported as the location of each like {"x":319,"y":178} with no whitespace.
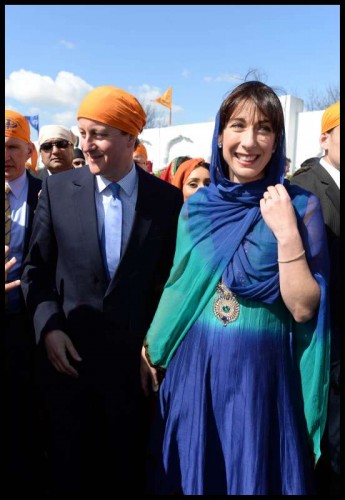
{"x":220,"y":145}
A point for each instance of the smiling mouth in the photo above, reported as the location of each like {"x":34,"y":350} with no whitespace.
{"x":246,"y":157}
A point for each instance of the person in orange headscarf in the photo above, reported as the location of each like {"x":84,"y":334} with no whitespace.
{"x":167,"y":173}
{"x":140,"y":155}
{"x":91,"y":307}
{"x":20,"y":440}
{"x":191,"y":176}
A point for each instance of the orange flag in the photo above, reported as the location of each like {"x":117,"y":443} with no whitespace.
{"x":165,"y":99}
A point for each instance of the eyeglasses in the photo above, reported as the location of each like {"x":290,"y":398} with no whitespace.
{"x":48,"y":146}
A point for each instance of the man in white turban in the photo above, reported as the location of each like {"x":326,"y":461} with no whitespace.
{"x":56,"y":146}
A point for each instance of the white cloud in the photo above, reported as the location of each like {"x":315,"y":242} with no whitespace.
{"x":146,"y":93}
{"x":67,"y":45}
{"x":56,"y":100}
{"x":38,"y":90}
{"x":68,"y":117}
{"x":223,"y":78}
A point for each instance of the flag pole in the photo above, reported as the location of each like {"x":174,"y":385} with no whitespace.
{"x":170,"y":117}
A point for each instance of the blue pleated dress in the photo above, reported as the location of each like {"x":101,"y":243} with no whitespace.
{"x":229,"y":418}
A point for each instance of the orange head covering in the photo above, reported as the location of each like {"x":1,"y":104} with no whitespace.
{"x":32,"y":162}
{"x":16,"y":126}
{"x":114,"y":107}
{"x":167,"y":173}
{"x":330,"y":118}
{"x":141,"y":150}
{"x":184,"y":171}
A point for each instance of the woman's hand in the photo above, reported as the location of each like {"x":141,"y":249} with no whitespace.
{"x":278,"y":212}
{"x":148,"y":375}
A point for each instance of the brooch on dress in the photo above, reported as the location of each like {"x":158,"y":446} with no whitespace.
{"x":225,"y":306}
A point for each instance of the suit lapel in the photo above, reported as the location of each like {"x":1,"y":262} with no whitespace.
{"x":141,"y":226}
{"x":34,"y":188}
{"x":331,"y":189}
{"x":83,"y":193}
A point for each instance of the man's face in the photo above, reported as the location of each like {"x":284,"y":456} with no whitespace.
{"x":59,"y":156}
{"x":108,"y":151}
{"x":17,"y":152}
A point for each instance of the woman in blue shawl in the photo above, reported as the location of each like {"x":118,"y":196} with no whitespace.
{"x":241,"y":331}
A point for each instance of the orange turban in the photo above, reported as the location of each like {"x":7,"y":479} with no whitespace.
{"x":184,"y":171}
{"x":17,"y":126}
{"x":114,"y":107}
{"x":330,"y":118}
{"x":141,"y":150}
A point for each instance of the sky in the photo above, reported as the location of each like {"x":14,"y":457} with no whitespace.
{"x":55,"y":54}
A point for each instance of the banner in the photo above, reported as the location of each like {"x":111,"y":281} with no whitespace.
{"x":34,"y":122}
{"x":166,"y":98}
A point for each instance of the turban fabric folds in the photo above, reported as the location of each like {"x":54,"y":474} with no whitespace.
{"x":114,"y":107}
{"x":330,"y":118}
{"x":56,"y":132}
{"x":17,"y":126}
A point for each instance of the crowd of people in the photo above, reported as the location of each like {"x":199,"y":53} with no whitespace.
{"x":175,"y":333}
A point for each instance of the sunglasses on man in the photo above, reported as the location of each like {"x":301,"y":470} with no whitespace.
{"x":61,"y":144}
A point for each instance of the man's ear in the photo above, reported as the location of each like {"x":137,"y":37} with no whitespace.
{"x":324,"y":140}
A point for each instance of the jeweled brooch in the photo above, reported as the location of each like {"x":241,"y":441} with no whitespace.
{"x":225,"y":306}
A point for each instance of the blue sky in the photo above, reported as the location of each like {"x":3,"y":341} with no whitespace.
{"x":55,"y":54}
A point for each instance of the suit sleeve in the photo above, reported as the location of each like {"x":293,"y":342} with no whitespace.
{"x":38,"y":278}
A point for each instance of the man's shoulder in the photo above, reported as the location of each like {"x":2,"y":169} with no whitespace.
{"x":308,"y":170}
{"x":74,"y":174}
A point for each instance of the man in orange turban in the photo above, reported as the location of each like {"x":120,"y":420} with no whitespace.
{"x":20,"y":443}
{"x":91,"y":308}
{"x":321,"y":176}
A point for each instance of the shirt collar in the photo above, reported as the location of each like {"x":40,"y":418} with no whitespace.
{"x":18,"y":184}
{"x":333,"y":172}
{"x":127,"y":183}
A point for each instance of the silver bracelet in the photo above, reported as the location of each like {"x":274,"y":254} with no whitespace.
{"x":291,"y":260}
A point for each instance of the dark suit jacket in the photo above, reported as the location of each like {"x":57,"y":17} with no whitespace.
{"x":64,"y":280}
{"x":35,"y":185}
{"x":316,"y":179}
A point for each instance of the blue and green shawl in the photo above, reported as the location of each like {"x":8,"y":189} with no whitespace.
{"x":214,"y":229}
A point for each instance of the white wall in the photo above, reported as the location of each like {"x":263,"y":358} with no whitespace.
{"x":307,"y":136}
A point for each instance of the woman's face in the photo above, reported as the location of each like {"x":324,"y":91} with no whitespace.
{"x":198,"y":178}
{"x":248,"y":143}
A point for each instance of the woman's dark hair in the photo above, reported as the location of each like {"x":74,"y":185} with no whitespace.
{"x":262,"y":96}
{"x":204,"y":164}
{"x":178,"y":160}
{"x":266,"y":101}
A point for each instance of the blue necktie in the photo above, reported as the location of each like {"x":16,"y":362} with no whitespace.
{"x":112,"y":230}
